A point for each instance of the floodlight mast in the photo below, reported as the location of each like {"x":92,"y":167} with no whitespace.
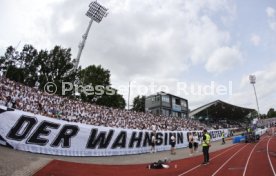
{"x":96,"y":12}
{"x":252,"y":79}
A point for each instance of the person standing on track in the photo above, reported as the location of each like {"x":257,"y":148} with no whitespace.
{"x":196,"y":141}
{"x":205,"y":146}
{"x":153,"y":142}
{"x":172,"y":141}
{"x":222,"y":138}
{"x":191,"y":142}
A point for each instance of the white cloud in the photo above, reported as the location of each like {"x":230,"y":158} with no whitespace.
{"x":255,"y":39}
{"x":270,"y":12}
{"x":271,"y":18}
{"x":142,"y":40}
{"x":143,"y":35}
{"x":28,"y":22}
{"x":204,"y":37}
{"x":272,"y":25}
{"x":265,"y":89}
{"x":146,"y":35}
{"x":223,"y":59}
{"x":67,"y":25}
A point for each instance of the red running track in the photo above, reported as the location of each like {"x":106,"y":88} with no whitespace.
{"x":235,"y":166}
{"x":271,"y":152}
{"x":259,"y":161}
{"x":239,"y":160}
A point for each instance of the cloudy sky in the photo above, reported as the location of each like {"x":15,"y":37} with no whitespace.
{"x":202,"y":50}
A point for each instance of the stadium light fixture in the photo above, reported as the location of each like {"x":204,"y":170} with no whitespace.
{"x":96,"y":12}
{"x":252,"y":79}
{"x":128,"y":95}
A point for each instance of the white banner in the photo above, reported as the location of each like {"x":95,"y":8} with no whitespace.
{"x":39,"y":134}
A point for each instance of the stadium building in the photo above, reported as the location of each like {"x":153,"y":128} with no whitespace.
{"x":223,"y":114}
{"x":167,"y":104}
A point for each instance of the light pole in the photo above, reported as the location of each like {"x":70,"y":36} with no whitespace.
{"x":128,"y":95}
{"x":252,"y":79}
{"x":96,"y":13}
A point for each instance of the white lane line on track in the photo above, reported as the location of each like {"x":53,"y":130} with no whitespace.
{"x":269,"y":157}
{"x":210,"y":160}
{"x":228,"y":160}
{"x":245,"y":168}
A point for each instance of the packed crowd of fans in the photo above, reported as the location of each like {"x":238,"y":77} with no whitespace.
{"x":18,"y":96}
{"x":267,"y":122}
{"x":228,"y":124}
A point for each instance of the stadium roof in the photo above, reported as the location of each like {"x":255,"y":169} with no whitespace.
{"x":221,"y":110}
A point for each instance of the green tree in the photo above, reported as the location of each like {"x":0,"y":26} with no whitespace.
{"x":20,"y":66}
{"x":55,"y":66}
{"x":97,"y":76}
{"x":9,"y":62}
{"x":93,"y":76}
{"x":263,"y":116}
{"x":30,"y":66}
{"x":271,"y":113}
{"x":139,"y":103}
{"x":115,"y":101}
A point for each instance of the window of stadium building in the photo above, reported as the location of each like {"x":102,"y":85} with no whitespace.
{"x":165,"y":99}
{"x":176,"y":114}
{"x":166,"y":112}
{"x":157,"y":111}
{"x":177,"y":101}
{"x":173,"y":114}
{"x":155,"y":98}
{"x":183,"y":103}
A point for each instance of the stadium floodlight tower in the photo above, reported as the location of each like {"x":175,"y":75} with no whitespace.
{"x":252,"y":79}
{"x":96,"y":12}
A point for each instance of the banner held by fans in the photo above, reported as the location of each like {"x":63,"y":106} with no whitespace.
{"x":39,"y":134}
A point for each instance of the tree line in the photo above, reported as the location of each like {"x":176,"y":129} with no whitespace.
{"x":35,"y":68}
